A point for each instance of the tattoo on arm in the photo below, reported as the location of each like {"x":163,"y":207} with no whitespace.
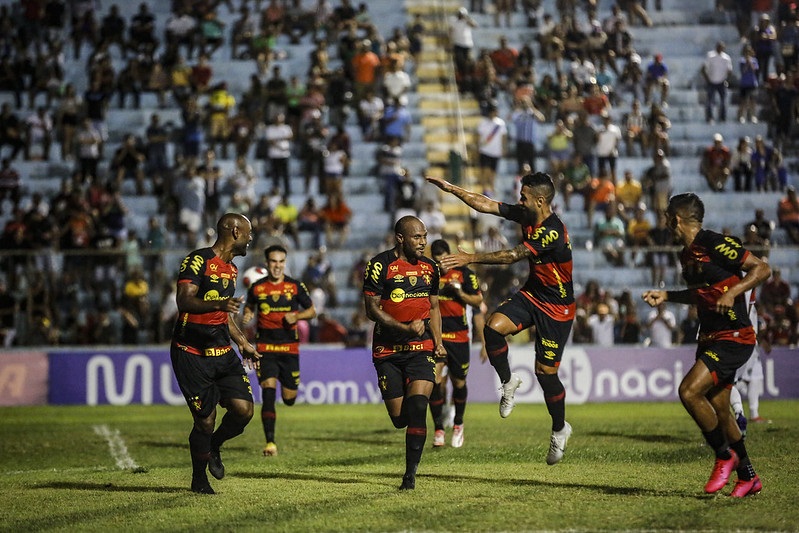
{"x":503,"y":257}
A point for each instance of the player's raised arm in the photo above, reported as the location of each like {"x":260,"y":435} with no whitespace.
{"x":478,"y":202}
{"x":501,"y":257}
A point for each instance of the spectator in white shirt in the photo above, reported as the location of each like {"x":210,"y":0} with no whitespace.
{"x":607,"y":145}
{"x":602,"y":325}
{"x":662,"y":324}
{"x":492,"y":134}
{"x":716,"y":71}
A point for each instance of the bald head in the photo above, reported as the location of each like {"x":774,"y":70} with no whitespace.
{"x":229,"y":221}
{"x":233,"y":234}
{"x":407,"y":225}
{"x":411,"y":236}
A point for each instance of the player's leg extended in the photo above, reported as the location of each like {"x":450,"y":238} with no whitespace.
{"x":200,"y":448}
{"x":269,"y":414}
{"x":416,"y":400}
{"x":695,"y":390}
{"x":498,"y":326}
{"x":748,"y":481}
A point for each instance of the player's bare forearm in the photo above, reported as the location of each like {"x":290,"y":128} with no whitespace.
{"x":376,"y":314}
{"x":470,"y":299}
{"x":478,"y":202}
{"x":502,"y":257}
{"x":307,"y":314}
{"x":435,"y":320}
{"x":756,"y":272}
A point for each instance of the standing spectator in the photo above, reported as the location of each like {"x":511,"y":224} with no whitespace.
{"x":525,"y":120}
{"x":180,"y":30}
{"x":689,"y":327}
{"x":201,"y":74}
{"x":716,"y":71}
{"x":279,"y":137}
{"x":609,"y":138}
{"x":715,"y":164}
{"x":741,"y":165}
{"x":366,"y":69}
{"x":491,"y":144}
{"x":788,"y":214}
{"x":211,"y":34}
{"x":766,"y":163}
{"x":128,"y":162}
{"x":657,"y":76}
{"x":220,"y":105}
{"x":89,"y":145}
{"x":629,"y":192}
{"x":789,"y":39}
{"x":279,"y":303}
{"x":314,"y":143}
{"x":460,"y":35}
{"x":396,"y":81}
{"x":763,"y":38}
{"x":602,"y":325}
{"x":335,"y":163}
{"x":112,"y":30}
{"x":749,"y":70}
{"x":135,"y":308}
{"x":131,"y":82}
{"x":634,"y":125}
{"x":190,"y":192}
{"x":193,"y":134}
{"x":397,"y":120}
{"x":609,"y":236}
{"x":576,"y":179}
{"x":310,"y":219}
{"x":584,"y":140}
{"x":662,"y":325}
{"x":39,"y":131}
{"x":155,"y":149}
{"x":142,"y":31}
{"x":67,"y":121}
{"x":370,"y":113}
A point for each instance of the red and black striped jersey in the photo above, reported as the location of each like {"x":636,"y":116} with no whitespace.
{"x":404,"y":289}
{"x":710,"y":266}
{"x":549,"y":285}
{"x":216,"y":280}
{"x":454,"y":324}
{"x":271,"y":301}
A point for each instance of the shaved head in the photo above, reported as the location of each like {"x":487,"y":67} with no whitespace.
{"x":228,"y":221}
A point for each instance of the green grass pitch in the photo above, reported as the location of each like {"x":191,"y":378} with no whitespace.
{"x":627,"y":467}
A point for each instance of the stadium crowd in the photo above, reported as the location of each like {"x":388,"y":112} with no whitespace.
{"x":75,"y":272}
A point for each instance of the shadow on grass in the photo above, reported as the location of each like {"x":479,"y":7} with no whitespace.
{"x":107,"y":487}
{"x":663,"y":439}
{"x":298,"y":476}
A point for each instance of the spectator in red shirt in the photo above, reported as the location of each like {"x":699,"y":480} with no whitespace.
{"x":788,"y":214}
{"x":715,"y":164}
{"x":201,"y":74}
{"x":336,"y":215}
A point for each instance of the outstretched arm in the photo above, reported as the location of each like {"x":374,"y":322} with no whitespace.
{"x":478,"y":202}
{"x":501,"y":257}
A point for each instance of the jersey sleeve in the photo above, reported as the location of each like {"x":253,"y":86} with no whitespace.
{"x":470,"y":285}
{"x":728,"y":252}
{"x":435,"y":280}
{"x":512,"y":212}
{"x":374,"y":277}
{"x":191,"y":269}
{"x":303,"y":296}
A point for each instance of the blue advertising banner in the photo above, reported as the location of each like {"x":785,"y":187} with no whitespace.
{"x":337,"y":375}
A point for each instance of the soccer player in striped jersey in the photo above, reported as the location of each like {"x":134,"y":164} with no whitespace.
{"x":458,"y":289}
{"x":718,"y":271}
{"x":400,"y":293}
{"x":279,"y":302}
{"x":546,"y":300}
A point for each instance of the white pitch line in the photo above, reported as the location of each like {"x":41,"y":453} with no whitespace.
{"x":117,"y":447}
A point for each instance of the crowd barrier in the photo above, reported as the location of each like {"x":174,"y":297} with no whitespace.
{"x":118,"y":376}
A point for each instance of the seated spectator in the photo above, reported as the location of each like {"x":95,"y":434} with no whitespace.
{"x":39,"y":132}
{"x":180,"y":30}
{"x":142,"y":31}
{"x":336,"y":215}
{"x":559,"y":147}
{"x":602,"y":324}
{"x":629,"y":192}
{"x":112,"y":30}
{"x":330,"y":330}
{"x":741,"y":165}
{"x":638,"y":230}
{"x":780,"y":328}
{"x":433,"y":219}
{"x":775,"y":291}
{"x":657,"y":77}
{"x":406,"y":196}
{"x":788,"y":214}
{"x":201,"y":74}
{"x":310,"y":218}
{"x":715,"y":164}
{"x":211,"y":34}
{"x":601,"y":194}
{"x":9,"y":184}
{"x":609,"y":236}
{"x":370,"y":113}
{"x":634,"y":130}
{"x":286,"y":215}
{"x":763,"y":227}
{"x":767,"y":168}
{"x":335,"y":164}
{"x":11,"y":131}
{"x":658,"y":127}
{"x":576,"y":180}
{"x":597,"y":102}
{"x":128,"y":162}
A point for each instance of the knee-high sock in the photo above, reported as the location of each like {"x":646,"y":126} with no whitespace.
{"x":497,"y":348}
{"x":232,"y":426}
{"x":716,"y":440}
{"x":268,"y":413}
{"x":735,"y":400}
{"x":555,"y":398}
{"x":745,"y":469}
{"x":459,"y":399}
{"x":200,"y":448}
{"x":416,"y":434}
{"x":437,"y":407}
{"x":753,"y":396}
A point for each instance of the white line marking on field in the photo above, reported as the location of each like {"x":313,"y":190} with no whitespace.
{"x":117,"y":447}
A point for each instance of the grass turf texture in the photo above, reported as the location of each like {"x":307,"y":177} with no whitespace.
{"x":627,"y":467}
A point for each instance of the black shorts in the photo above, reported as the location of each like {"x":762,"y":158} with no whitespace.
{"x":723,"y":359}
{"x":284,"y":367}
{"x":394,"y":371}
{"x":205,"y":381}
{"x":457,"y":359}
{"x":487,"y":161}
{"x":550,"y":335}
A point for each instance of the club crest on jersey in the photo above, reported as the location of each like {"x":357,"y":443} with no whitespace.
{"x":275,"y":297}
{"x":196,"y":404}
{"x":427,"y":278}
{"x":225,"y":283}
{"x":412,"y":280}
